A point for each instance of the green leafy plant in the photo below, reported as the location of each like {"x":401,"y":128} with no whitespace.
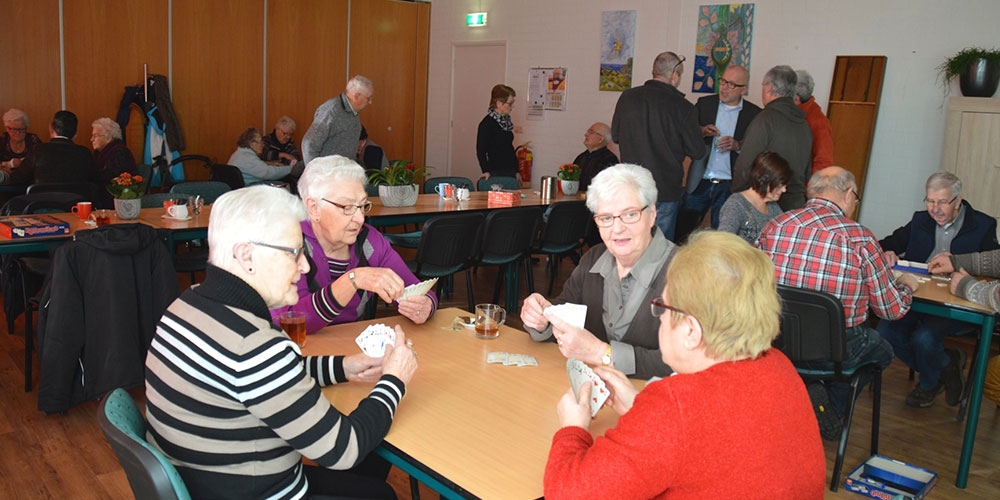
{"x":958,"y":63}
{"x":398,"y":173}
{"x":127,"y":186}
{"x":569,"y":172}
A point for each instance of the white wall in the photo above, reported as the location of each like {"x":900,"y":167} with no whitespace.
{"x":916,"y":35}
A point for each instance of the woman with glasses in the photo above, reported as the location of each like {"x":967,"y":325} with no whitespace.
{"x":351,"y":263}
{"x":495,"y":139}
{"x":15,"y":143}
{"x":249,"y":147}
{"x":230,"y":399}
{"x":735,"y":422}
{"x":745,"y":213}
{"x":615,"y":280}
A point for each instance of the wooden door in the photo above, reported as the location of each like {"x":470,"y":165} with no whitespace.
{"x":853,"y":108}
{"x":971,"y":150}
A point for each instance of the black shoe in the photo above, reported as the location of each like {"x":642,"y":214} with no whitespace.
{"x":829,"y":422}
{"x":952,"y":376}
{"x":920,"y":398}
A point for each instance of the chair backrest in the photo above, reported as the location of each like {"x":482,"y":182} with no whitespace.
{"x":506,"y":182}
{"x":208,"y":190}
{"x":812,"y":326}
{"x":371,"y":190}
{"x":565,"y":227}
{"x":465,"y":182}
{"x":88,"y":190}
{"x":508,"y":234}
{"x":154,"y":200}
{"x":228,"y":174}
{"x":35,"y":203}
{"x":449,"y":241}
{"x":145,"y":170}
{"x":149,"y":473}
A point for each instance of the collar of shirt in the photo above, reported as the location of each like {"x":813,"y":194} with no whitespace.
{"x":726,"y":107}
{"x":347,"y":104}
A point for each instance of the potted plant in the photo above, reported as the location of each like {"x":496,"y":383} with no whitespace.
{"x":397,"y":183}
{"x":128,"y":190}
{"x":977,"y":69}
{"x":569,"y":178}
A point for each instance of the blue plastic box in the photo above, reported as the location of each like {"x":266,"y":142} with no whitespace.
{"x":888,"y":479}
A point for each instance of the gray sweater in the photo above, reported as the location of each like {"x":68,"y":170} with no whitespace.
{"x":738,"y":216}
{"x":980,"y":264}
{"x":335,"y":130}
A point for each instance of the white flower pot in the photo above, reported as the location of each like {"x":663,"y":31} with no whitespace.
{"x":569,"y":187}
{"x":398,"y":196}
{"x":128,"y":209}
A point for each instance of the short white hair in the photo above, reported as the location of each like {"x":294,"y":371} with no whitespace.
{"x":108,"y":127}
{"x":286,"y":123}
{"x":249,"y":214}
{"x":360,"y":83}
{"x":614,"y":181}
{"x":15,"y":115}
{"x":322,"y":174}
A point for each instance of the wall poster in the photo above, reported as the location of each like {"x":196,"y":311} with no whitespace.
{"x":617,"y":49}
{"x":724,"y":36}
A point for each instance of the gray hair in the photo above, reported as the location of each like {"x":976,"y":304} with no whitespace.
{"x":614,"y":181}
{"x":782,"y":80}
{"x":248,"y":135}
{"x":249,"y":214}
{"x":944,"y":180}
{"x":805,"y":85}
{"x":602,"y":129}
{"x":666,"y":63}
{"x":108,"y":127}
{"x":15,"y":115}
{"x":821,"y":183}
{"x":286,"y":123}
{"x":322,"y":174}
{"x":360,"y":83}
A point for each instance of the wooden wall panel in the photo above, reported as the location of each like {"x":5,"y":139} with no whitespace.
{"x":29,"y":61}
{"x":306,"y":58}
{"x":218,"y":79}
{"x":107,"y":42}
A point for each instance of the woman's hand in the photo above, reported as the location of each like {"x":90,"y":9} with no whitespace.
{"x":417,"y":308}
{"x":576,"y":343}
{"x":362,"y":368}
{"x":381,"y":281}
{"x":622,"y":391}
{"x":940,"y":264}
{"x":531,"y":312}
{"x":400,"y":359}
{"x":574,"y":409}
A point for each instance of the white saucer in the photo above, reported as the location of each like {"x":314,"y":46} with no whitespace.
{"x":165,"y":216}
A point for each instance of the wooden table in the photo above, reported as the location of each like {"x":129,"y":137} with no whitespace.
{"x":429,"y":205}
{"x":935,"y":297}
{"x":467,"y":428}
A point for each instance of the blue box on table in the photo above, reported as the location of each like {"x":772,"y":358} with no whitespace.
{"x":26,"y":226}
{"x":888,"y":479}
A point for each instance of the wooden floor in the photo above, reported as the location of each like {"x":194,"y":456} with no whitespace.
{"x":67,"y":457}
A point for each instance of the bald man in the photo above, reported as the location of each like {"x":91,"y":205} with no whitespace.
{"x":597,"y":157}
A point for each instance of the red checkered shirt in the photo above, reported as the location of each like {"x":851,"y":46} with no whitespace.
{"x":818,"y":248}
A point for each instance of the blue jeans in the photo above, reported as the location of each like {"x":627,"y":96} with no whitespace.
{"x":666,"y":217}
{"x":918,"y":340}
{"x":708,"y":195}
{"x":864,"y":345}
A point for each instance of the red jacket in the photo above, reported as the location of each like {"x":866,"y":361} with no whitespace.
{"x":822,"y":148}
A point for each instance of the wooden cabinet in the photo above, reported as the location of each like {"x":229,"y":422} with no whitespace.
{"x":972,"y":149}
{"x":853,"y":108}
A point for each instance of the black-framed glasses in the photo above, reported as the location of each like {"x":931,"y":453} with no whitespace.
{"x":857,"y":197}
{"x":350,"y":209}
{"x":657,"y":308}
{"x":939,"y":203}
{"x":630,"y":216}
{"x":294,"y":252}
{"x":726,"y":83}
{"x":19,"y":130}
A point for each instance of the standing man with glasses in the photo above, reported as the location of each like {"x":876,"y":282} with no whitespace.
{"x":336,"y":127}
{"x":949,"y":225}
{"x":724,"y":118}
{"x":656,"y":127}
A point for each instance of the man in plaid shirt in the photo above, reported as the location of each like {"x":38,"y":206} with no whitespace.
{"x":819,"y":247}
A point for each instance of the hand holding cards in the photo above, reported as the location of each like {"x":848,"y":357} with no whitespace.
{"x":574,"y":314}
{"x":579,"y":374}
{"x":374,"y":338}
{"x":418,"y":289}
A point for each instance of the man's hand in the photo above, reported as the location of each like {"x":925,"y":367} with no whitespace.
{"x":890,"y":258}
{"x":709,"y":130}
{"x":909,"y":280}
{"x":941,"y":264}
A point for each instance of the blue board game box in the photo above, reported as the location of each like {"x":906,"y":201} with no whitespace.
{"x":888,"y":479}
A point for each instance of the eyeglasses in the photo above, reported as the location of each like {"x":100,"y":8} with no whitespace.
{"x":360,"y":96}
{"x":728,"y":84}
{"x":19,"y":130}
{"x":657,"y":308}
{"x":295,"y":252}
{"x":630,"y":216}
{"x":857,"y":199}
{"x":939,"y":203}
{"x":350,"y":209}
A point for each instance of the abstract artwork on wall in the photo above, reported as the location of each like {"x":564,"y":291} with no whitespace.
{"x":617,"y":49}
{"x":724,"y":36}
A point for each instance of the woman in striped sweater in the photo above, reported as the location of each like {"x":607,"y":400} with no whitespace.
{"x":229,"y":397}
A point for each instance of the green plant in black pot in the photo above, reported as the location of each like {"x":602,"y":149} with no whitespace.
{"x":977,"y":70}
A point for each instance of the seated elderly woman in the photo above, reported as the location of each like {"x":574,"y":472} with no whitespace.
{"x":745,"y":213}
{"x":229,"y":398}
{"x":351,"y":262}
{"x":734,"y":422}
{"x":15,"y":145}
{"x":249,"y":147}
{"x":632,"y":258}
{"x":111,"y":155}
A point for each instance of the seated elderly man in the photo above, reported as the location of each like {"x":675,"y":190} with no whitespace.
{"x":597,"y":157}
{"x":279,"y":147}
{"x":60,"y":159}
{"x":949,"y":224}
{"x":819,"y":247}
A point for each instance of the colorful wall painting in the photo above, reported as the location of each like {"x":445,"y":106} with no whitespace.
{"x":724,"y":36}
{"x":617,"y":49}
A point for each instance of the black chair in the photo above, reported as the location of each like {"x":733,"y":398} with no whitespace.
{"x":208,"y":190}
{"x":812,"y":329}
{"x":154,"y":200}
{"x":87,"y":190}
{"x":149,"y":472}
{"x":562,"y":234}
{"x":227,"y":174}
{"x":506,"y":182}
{"x":447,"y":246}
{"x":506,"y":239}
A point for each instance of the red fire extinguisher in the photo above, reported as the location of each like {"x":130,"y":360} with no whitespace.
{"x":524,"y":163}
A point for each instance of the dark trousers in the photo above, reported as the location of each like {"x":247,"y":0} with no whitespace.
{"x":707,"y":196}
{"x":365,"y":480}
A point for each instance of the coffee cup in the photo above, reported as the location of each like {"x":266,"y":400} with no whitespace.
{"x":462,"y":193}
{"x":489,"y":319}
{"x":82,"y":210}
{"x":445,"y":190}
{"x":101,"y":217}
{"x":178,"y":211}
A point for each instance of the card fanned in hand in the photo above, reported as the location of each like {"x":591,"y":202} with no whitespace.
{"x":579,"y":374}
{"x":374,"y":338}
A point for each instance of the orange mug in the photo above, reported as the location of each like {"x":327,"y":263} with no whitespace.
{"x":82,"y":210}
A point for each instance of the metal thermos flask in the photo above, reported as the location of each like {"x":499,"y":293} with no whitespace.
{"x":548,"y":187}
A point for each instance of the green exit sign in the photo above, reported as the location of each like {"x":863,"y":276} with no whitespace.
{"x":475,"y":19}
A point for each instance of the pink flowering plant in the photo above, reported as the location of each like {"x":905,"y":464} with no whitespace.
{"x":127,"y":186}
{"x":569,"y":172}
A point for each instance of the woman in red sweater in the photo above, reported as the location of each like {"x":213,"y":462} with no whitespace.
{"x":733,"y":422}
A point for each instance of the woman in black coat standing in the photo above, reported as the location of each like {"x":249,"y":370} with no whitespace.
{"x":495,"y":140}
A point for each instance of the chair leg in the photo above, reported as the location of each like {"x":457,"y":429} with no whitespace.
{"x":842,"y":447}
{"x":530,"y":277}
{"x":29,"y":345}
{"x":876,"y":408}
{"x":553,"y":270}
{"x":500,"y":281}
{"x":414,"y":488}
{"x":468,"y":288}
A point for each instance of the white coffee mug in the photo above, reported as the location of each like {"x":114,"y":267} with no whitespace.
{"x":463,"y":193}
{"x":178,"y":211}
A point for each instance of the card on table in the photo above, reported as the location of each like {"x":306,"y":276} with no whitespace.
{"x":510,"y":359}
{"x":574,"y":314}
{"x":374,"y":338}
{"x":418,"y":289}
{"x":580,"y":374}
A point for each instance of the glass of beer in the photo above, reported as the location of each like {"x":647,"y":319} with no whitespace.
{"x":489,"y":317}
{"x":294,"y":324}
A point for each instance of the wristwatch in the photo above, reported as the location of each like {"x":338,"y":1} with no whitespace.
{"x":606,"y":359}
{"x":350,"y":276}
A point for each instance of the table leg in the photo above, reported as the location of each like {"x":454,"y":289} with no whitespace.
{"x":418,"y":473}
{"x":975,"y":401}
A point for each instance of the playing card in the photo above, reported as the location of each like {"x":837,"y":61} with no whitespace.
{"x":574,"y":314}
{"x":580,"y":374}
{"x":374,"y":338}
{"x":528,"y":360}
{"x":418,"y":289}
{"x":496,"y":357}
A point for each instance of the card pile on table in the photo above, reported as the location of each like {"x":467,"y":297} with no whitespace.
{"x":510,"y":359}
{"x":373,"y":339}
{"x":580,"y":374}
